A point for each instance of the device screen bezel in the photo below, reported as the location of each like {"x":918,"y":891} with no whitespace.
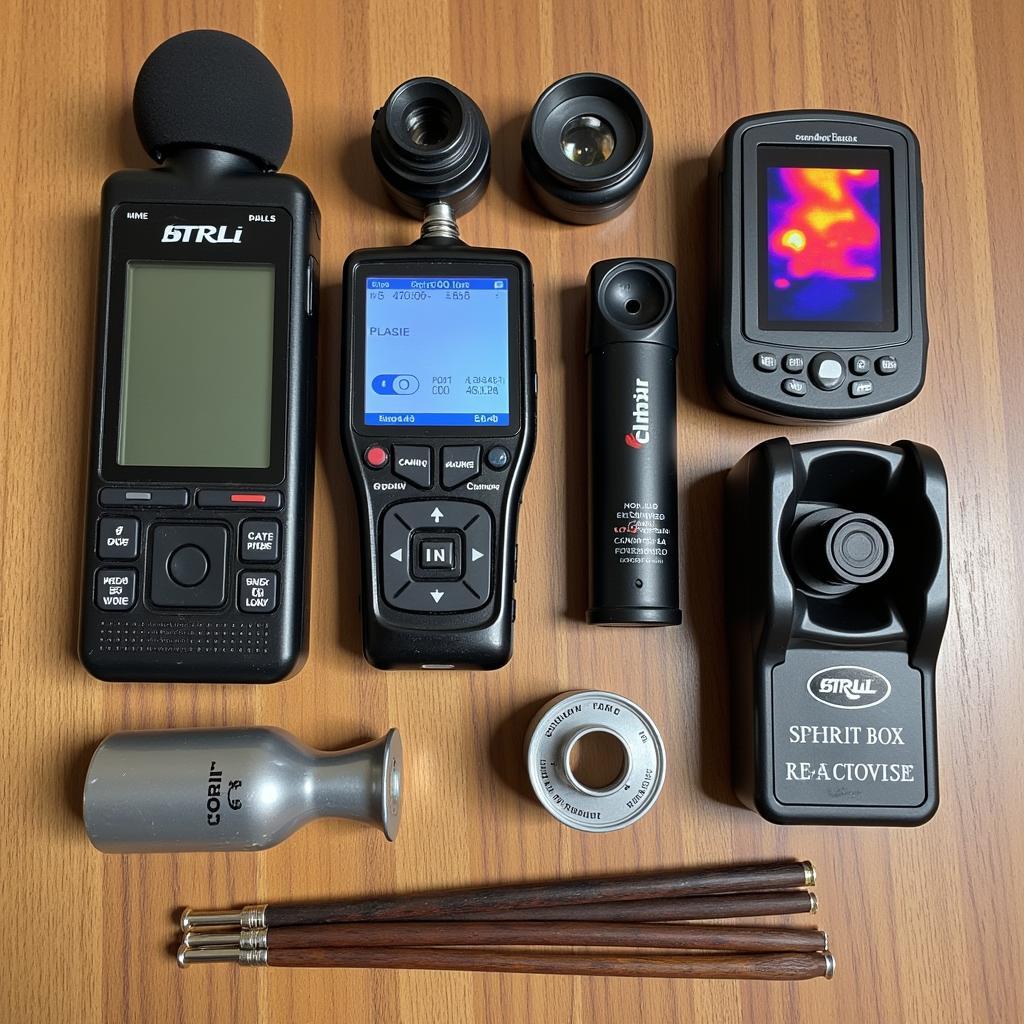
{"x":431,"y":266}
{"x":904,"y":198}
{"x":140,"y":241}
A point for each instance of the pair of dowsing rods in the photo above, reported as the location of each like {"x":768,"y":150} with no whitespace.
{"x":457,"y":904}
{"x":386,"y":932}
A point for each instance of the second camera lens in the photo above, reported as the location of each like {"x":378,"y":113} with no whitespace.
{"x":587,"y":147}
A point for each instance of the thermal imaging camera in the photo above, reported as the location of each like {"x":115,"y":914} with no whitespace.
{"x":438,"y":426}
{"x":819,"y":290}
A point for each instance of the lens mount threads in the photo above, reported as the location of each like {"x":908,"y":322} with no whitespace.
{"x":430,"y":144}
{"x":619,"y":785}
{"x":587,"y":146}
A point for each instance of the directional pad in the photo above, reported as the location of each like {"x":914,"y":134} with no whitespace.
{"x":436,"y":556}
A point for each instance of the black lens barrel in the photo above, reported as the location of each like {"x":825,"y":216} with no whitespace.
{"x":594,"y":190}
{"x":430,"y":142}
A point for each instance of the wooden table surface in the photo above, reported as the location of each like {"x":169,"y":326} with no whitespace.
{"x":926,"y":923}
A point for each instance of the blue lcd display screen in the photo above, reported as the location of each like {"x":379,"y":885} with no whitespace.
{"x":437,"y":352}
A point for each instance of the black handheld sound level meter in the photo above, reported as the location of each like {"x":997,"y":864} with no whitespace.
{"x":438,"y":426}
{"x":201,"y":466}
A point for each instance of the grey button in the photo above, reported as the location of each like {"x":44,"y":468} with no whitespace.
{"x":827,"y":371}
{"x":118,"y":538}
{"x":861,"y":388}
{"x":766,"y":362}
{"x":793,"y":363}
{"x":886,"y":365}
{"x":116,"y":589}
{"x":794,"y":387}
{"x":157,"y":497}
{"x":860,"y":365}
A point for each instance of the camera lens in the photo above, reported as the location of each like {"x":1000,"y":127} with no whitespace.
{"x":588,"y":140}
{"x":431,"y":144}
{"x":835,"y":550}
{"x":587,"y":147}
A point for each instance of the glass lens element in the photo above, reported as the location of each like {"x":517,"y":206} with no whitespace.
{"x":588,"y":140}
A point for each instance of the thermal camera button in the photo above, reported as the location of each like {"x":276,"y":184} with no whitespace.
{"x":459,"y":464}
{"x":118,"y":538}
{"x":793,"y":363}
{"x":375,"y":456}
{"x":794,"y":387}
{"x":886,"y":365}
{"x":115,"y":589}
{"x":827,"y":371}
{"x":861,"y":388}
{"x":860,"y":365}
{"x":766,"y":362}
{"x":413,"y":463}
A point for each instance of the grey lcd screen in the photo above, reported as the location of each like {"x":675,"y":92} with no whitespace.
{"x":197,"y":365}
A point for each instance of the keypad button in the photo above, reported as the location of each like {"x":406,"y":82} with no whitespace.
{"x":188,"y":566}
{"x":210,"y":498}
{"x":259,"y":540}
{"x":177,"y":575}
{"x":155,"y":497}
{"x":118,"y":538}
{"x":437,"y":556}
{"x":498,"y":457}
{"x":766,"y":362}
{"x":860,"y":365}
{"x":827,"y":371}
{"x":459,"y":464}
{"x":886,"y":365}
{"x":410,"y":525}
{"x":793,"y":363}
{"x":412,"y":463}
{"x":794,"y":387}
{"x":257,"y":592}
{"x":116,"y":589}
{"x":861,"y":388}
{"x":375,"y":456}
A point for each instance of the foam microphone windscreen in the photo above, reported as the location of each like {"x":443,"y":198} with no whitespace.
{"x":211,"y":89}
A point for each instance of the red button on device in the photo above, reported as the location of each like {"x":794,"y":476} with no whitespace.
{"x":249,"y":499}
{"x":376,"y":456}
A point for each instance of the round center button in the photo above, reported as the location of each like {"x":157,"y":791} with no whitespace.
{"x":827,"y":371}
{"x":188,"y":566}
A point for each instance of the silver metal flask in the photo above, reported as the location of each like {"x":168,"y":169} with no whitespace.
{"x":173,"y":790}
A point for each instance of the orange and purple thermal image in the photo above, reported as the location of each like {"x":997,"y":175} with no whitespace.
{"x":824,"y":244}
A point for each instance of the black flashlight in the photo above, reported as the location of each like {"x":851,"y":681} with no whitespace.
{"x":632,"y":343}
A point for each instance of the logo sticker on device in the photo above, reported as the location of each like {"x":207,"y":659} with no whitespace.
{"x":849,"y":687}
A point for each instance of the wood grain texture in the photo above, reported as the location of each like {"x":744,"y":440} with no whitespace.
{"x":926,"y":923}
